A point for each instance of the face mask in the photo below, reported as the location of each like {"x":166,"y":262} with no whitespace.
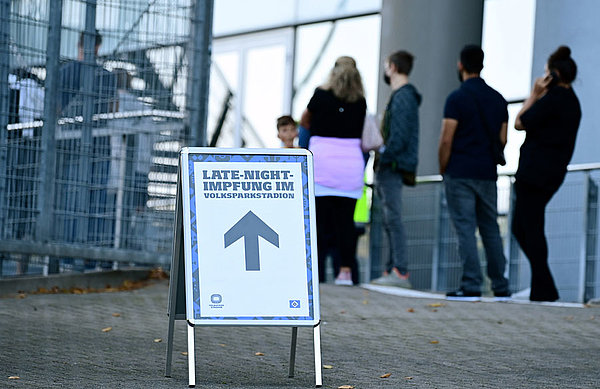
{"x":386,"y":79}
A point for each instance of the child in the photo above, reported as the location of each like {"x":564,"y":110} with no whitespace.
{"x":287,"y":131}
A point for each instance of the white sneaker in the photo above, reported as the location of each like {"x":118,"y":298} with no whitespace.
{"x":392,"y":279}
{"x":344,"y":278}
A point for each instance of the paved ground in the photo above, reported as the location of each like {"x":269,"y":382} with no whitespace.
{"x":56,"y":341}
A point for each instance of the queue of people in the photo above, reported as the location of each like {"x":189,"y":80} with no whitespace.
{"x":473,"y":136}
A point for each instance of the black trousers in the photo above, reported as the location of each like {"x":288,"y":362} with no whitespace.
{"x":336,"y":232}
{"x":528,"y":229}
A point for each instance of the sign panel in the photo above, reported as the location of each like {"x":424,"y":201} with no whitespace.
{"x":249,"y":237}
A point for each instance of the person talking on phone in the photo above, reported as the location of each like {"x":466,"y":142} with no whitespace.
{"x":550,"y":118}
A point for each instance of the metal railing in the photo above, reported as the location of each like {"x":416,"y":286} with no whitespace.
{"x":432,"y":246}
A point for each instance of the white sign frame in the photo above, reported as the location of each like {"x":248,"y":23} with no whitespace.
{"x":302,"y":210}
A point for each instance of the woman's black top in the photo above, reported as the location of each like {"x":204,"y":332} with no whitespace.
{"x":333,"y":117}
{"x":551,"y":125}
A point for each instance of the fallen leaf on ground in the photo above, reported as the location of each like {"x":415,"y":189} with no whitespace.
{"x":408,"y":378}
{"x":106,"y":329}
{"x":365,"y":302}
{"x":434,"y":310}
{"x":327,"y":367}
{"x":158,"y":274}
{"x":259,"y":354}
{"x":184,"y":353}
{"x":14,"y":377}
{"x":570,"y":317}
{"x":157,"y":340}
{"x":411,"y":310}
{"x":436,"y":305}
{"x":434,"y":342}
{"x":386,"y":375}
{"x":21,"y":295}
{"x":127,"y":285}
{"x":116,"y":314}
{"x":346,"y":387}
{"x":222,"y":344}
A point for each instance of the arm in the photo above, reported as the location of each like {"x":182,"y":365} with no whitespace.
{"x":399,"y":130}
{"x":445,"y":147}
{"x":503,"y":133}
{"x":305,"y":119}
{"x":540,"y":87}
{"x":303,"y":137}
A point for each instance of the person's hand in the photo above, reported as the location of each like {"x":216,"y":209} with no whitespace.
{"x":540,"y":86}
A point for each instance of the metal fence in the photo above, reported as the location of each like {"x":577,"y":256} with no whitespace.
{"x":93,"y":112}
{"x":432,"y":246}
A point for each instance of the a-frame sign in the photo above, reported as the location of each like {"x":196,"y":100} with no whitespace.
{"x":245,"y":244}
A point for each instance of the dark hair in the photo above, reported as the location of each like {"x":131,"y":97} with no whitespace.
{"x":96,"y":35}
{"x":284,"y":121}
{"x":403,"y":60}
{"x":561,"y":62}
{"x":471,"y":57}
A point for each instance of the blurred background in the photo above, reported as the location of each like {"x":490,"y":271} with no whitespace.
{"x":90,"y":133}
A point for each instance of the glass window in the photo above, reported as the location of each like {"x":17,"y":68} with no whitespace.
{"x":256,"y":70}
{"x":319,"y":9}
{"x":233,"y":16}
{"x":264,"y":94}
{"x":507,"y":40}
{"x":319,"y":45}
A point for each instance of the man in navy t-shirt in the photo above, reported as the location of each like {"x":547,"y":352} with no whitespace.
{"x":475,"y":116}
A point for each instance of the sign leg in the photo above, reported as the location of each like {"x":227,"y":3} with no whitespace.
{"x":175,"y":279}
{"x":318,"y":367}
{"x":191,"y":358}
{"x":293,"y":351}
{"x":170,"y":343}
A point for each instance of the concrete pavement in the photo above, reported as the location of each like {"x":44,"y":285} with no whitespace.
{"x":57,"y":341}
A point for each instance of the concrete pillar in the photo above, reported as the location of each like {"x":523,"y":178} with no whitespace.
{"x":575,"y":24}
{"x":434,"y":32}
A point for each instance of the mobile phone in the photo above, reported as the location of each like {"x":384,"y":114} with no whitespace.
{"x":553,"y":80}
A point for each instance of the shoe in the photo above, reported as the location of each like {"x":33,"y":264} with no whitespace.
{"x":392,"y":279}
{"x":344,"y":278}
{"x":543,"y":299}
{"x":503,"y":296}
{"x":462,"y":295}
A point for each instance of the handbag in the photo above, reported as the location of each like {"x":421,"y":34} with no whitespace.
{"x":371,"y":138}
{"x":496,"y":147}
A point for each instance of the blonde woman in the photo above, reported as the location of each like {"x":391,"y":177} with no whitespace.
{"x":335,"y":116}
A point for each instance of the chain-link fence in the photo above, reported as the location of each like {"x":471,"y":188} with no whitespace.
{"x":93,"y":114}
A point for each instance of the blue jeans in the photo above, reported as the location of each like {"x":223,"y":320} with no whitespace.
{"x":473,"y":204}
{"x":389,"y":189}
